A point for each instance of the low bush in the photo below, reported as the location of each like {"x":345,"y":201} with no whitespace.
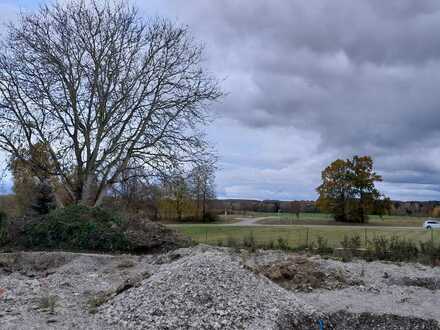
{"x":322,"y":246}
{"x":402,"y":249}
{"x":283,"y":244}
{"x":78,"y":228}
{"x":393,"y":249}
{"x":351,"y":243}
{"x":377,"y":248}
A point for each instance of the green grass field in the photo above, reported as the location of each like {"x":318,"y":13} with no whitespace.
{"x":297,"y":236}
{"x":327,"y":219}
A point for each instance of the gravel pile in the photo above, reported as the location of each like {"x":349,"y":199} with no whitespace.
{"x":52,"y":290}
{"x":208,"y":290}
{"x":205,"y":287}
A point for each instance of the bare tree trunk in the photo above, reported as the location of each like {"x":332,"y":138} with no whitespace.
{"x":100,"y":198}
{"x":204,"y":204}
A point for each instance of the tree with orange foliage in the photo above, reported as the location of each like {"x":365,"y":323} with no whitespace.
{"x":32,"y":182}
{"x":348,"y":191}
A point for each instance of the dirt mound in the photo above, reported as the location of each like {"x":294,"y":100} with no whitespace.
{"x":147,"y":236}
{"x":301,"y":274}
{"x":208,"y":290}
{"x":30,"y":264}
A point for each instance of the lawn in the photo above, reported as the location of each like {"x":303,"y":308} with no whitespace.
{"x":327,"y":219}
{"x":298,"y":235}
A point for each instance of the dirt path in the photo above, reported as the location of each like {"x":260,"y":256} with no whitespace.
{"x":248,"y":222}
{"x":243,"y":222}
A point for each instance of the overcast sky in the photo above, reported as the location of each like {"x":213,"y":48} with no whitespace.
{"x":311,"y":81}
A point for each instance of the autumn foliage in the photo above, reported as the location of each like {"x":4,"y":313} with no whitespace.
{"x":348,"y":190}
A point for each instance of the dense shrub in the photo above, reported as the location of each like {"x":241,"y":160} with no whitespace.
{"x":394,"y":249}
{"x":76,"y":227}
{"x":210,"y":217}
{"x":207,"y":218}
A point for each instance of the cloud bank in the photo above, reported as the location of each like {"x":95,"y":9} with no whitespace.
{"x":311,"y":81}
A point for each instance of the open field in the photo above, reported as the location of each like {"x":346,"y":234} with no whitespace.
{"x":327,"y":219}
{"x":297,"y":236}
{"x":222,"y":220}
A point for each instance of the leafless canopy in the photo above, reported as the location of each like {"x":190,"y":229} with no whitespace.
{"x":104,"y":90}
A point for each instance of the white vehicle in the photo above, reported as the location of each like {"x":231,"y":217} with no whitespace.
{"x":431,"y":224}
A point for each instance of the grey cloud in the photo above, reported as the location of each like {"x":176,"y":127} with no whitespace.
{"x":311,"y":81}
{"x":362,"y":75}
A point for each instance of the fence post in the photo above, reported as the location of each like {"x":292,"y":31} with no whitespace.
{"x":206,"y":235}
{"x":432,"y":236}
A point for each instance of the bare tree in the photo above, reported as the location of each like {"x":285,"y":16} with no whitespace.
{"x":202,"y":181}
{"x":138,"y":192}
{"x":104,"y":91}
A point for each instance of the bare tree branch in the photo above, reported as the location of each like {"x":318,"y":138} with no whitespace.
{"x":103,"y":90}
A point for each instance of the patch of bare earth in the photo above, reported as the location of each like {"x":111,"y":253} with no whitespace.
{"x":358,"y":294}
{"x":299,"y":273}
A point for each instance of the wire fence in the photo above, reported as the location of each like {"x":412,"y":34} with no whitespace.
{"x":302,"y":236}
